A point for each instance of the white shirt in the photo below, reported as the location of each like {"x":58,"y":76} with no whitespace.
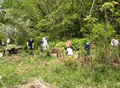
{"x":114,"y":42}
{"x":45,"y":46}
{"x":70,"y":51}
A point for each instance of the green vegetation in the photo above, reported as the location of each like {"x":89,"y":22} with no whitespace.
{"x":81,"y":21}
{"x":58,"y":20}
{"x":17,"y":69}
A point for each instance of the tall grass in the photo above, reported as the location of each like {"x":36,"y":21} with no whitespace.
{"x":17,"y":70}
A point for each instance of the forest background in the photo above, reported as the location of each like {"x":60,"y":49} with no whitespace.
{"x":58,"y":19}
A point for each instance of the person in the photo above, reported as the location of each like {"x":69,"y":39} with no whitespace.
{"x":30,"y":43}
{"x":45,"y":45}
{"x":69,"y":51}
{"x":43,"y":40}
{"x":69,"y":42}
{"x":115,"y":42}
{"x":87,"y":47}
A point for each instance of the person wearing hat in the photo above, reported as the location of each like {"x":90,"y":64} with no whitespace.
{"x":115,"y":42}
{"x":87,"y":47}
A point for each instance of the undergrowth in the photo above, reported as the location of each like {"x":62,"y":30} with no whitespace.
{"x":62,"y":73}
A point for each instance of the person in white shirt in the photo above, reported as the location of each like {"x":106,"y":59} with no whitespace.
{"x":69,"y":51}
{"x":45,"y":46}
{"x":115,"y":42}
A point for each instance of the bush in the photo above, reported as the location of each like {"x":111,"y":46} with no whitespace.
{"x":71,"y":64}
{"x":99,"y":32}
{"x":48,"y":53}
{"x":53,"y":43}
{"x":78,"y":43}
{"x":36,"y":46}
{"x":25,"y":47}
{"x":61,"y":44}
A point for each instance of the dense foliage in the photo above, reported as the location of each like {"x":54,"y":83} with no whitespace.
{"x":57,"y":19}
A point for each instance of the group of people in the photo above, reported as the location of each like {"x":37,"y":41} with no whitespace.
{"x":45,"y":46}
{"x":114,"y":43}
{"x":69,"y":51}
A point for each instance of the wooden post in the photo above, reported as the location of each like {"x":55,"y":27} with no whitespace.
{"x":57,"y":55}
{"x":78,"y":55}
{"x":6,"y":52}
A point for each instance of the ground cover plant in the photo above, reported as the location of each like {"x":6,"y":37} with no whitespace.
{"x":63,"y":72}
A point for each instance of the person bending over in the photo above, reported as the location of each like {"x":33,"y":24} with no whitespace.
{"x":69,"y":51}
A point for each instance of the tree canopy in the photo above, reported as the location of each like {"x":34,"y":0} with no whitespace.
{"x":58,"y":19}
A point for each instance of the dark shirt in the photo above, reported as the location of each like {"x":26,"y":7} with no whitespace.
{"x":30,"y":43}
{"x":87,"y":47}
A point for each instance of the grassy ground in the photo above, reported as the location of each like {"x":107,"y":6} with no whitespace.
{"x":59,"y":72}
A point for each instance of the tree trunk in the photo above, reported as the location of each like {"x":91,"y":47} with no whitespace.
{"x":64,"y":31}
{"x":83,"y":6}
{"x":105,"y":12}
{"x":79,"y":23}
{"x":72,"y":12}
{"x":116,"y":18}
{"x":81,"y":34}
{"x":59,"y":32}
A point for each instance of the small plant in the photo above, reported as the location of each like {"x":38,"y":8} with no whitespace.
{"x":70,"y":63}
{"x":61,"y":48}
{"x":82,"y":52}
{"x":48,"y":53}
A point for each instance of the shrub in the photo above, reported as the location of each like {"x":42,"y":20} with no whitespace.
{"x":70,"y":63}
{"x":61,"y":44}
{"x":25,"y":47}
{"x":53,"y":43}
{"x":78,"y":43}
{"x":48,"y":53}
{"x":82,"y":52}
{"x":36,"y":46}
